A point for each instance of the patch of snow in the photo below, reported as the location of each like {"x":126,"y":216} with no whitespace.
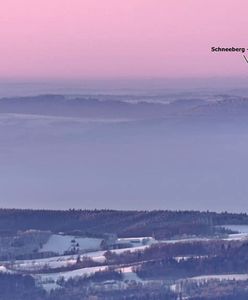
{"x":60,"y":243}
{"x":48,"y":280}
{"x":185,"y":240}
{"x":238,"y":228}
{"x":220,"y":277}
{"x":48,"y":286}
{"x":180,"y":258}
{"x":174,"y":288}
{"x":236,"y":237}
{"x":3,"y":269}
{"x":129,"y":275}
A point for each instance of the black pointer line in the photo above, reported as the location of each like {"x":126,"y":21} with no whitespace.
{"x":245,"y":58}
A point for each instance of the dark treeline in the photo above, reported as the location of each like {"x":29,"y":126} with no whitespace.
{"x":236,"y":295}
{"x":94,"y":278}
{"x":19,"y":287}
{"x":171,"y":250}
{"x":216,"y":290}
{"x":135,"y":292}
{"x":93,"y":287}
{"x":153,"y":253}
{"x":161,"y":224}
{"x":226,"y":261}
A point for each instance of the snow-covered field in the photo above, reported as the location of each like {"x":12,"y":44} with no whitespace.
{"x":60,"y":243}
{"x":238,"y":228}
{"x":237,"y":237}
{"x":241,"y":229}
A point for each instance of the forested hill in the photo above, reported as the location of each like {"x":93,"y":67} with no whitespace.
{"x":160,"y":223}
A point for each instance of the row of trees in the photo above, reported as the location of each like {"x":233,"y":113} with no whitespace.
{"x":229,"y":258}
{"x":161,"y":224}
{"x":216,"y":290}
{"x":171,"y":250}
{"x":18,"y":287}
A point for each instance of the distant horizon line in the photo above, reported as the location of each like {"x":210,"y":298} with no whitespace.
{"x":121,"y":210}
{"x":117,"y":78}
{"x":122,"y":83}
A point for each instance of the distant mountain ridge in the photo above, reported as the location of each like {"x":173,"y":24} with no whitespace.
{"x":228,"y":105}
{"x":107,"y":107}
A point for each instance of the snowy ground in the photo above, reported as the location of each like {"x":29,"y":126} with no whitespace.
{"x":129,"y":275}
{"x":241,"y":229}
{"x":97,"y":256}
{"x":238,"y":228}
{"x":230,"y":237}
{"x":66,"y":260}
{"x":61,"y":243}
{"x":220,"y":277}
{"x":49,"y":281}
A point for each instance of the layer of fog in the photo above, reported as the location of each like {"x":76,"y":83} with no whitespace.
{"x":123,"y":157}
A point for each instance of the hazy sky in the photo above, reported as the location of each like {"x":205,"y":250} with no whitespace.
{"x":116,"y":38}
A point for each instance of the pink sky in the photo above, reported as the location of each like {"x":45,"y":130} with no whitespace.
{"x":121,"y":38}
